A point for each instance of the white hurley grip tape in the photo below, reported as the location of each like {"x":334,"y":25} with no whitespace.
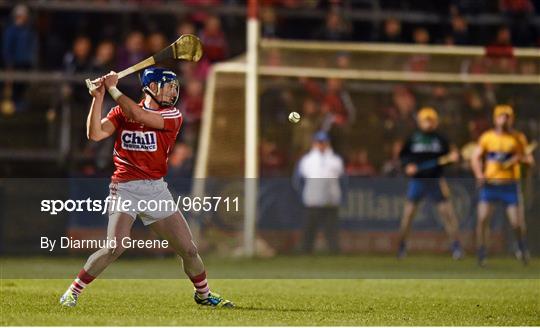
{"x":115,"y":93}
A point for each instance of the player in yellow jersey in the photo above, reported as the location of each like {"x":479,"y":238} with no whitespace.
{"x":495,"y":163}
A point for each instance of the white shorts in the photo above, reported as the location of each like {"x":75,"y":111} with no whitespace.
{"x":151,"y":200}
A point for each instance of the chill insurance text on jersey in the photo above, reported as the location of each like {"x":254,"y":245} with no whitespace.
{"x":140,"y":152}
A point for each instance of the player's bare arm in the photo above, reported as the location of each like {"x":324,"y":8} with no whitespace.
{"x":411,"y":169}
{"x":97,"y":128}
{"x":454,"y":153}
{"x":129,"y":107}
{"x":528,"y":158}
{"x":517,"y":158}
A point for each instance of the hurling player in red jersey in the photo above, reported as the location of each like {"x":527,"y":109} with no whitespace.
{"x":145,"y":135}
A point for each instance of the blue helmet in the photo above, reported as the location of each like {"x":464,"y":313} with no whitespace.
{"x":161,"y":76}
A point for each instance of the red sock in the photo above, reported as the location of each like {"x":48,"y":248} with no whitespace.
{"x":79,"y":284}
{"x":201,"y":284}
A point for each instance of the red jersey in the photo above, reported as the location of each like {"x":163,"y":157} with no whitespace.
{"x":140,"y":152}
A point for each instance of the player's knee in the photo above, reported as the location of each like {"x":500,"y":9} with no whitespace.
{"x":113,"y":252}
{"x":515,"y":224}
{"x":189,"y":252}
{"x":482,"y":216}
{"x":445,"y":214}
{"x":192,"y":251}
{"x":482,"y":219}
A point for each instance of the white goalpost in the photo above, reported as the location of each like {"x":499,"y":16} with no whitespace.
{"x":250,"y":68}
{"x":251,"y":126}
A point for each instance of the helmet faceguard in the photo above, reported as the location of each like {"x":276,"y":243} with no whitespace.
{"x":164,"y":79}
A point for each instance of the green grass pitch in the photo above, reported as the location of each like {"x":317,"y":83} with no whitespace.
{"x":281,"y":291}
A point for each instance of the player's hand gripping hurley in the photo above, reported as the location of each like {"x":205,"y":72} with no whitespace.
{"x":186,"y":47}
{"x":528,"y":150}
{"x":449,"y":158}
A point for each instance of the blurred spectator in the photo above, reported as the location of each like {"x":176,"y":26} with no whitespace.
{"x":398,"y":118}
{"x":156,"y":42}
{"x":180,"y":170}
{"x":528,"y":68}
{"x":133,"y":50}
{"x":197,"y":71}
{"x":19,"y":45}
{"x":392,"y":31}
{"x":104,"y":62}
{"x":272,"y":159}
{"x":79,"y":59}
{"x":269,"y":25}
{"x":419,"y":62}
{"x":343,"y":60}
{"x":273,"y":58}
{"x":334,"y":29}
{"x":191,"y":106}
{"x":476,"y":114}
{"x":460,"y":30}
{"x":503,"y":38}
{"x":213,"y":40}
{"x":181,"y":161}
{"x":191,"y":101}
{"x":19,"y":52}
{"x":317,"y":177}
{"x":501,"y":46}
{"x":359,"y":164}
{"x":200,"y":13}
{"x":104,"y":59}
{"x":516,"y":6}
{"x":448,"y":40}
{"x":185,"y":27}
{"x":392,"y":167}
{"x":304,"y":130}
{"x":337,"y":105}
{"x":420,"y":35}
{"x":500,"y":58}
{"x":519,"y":13}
